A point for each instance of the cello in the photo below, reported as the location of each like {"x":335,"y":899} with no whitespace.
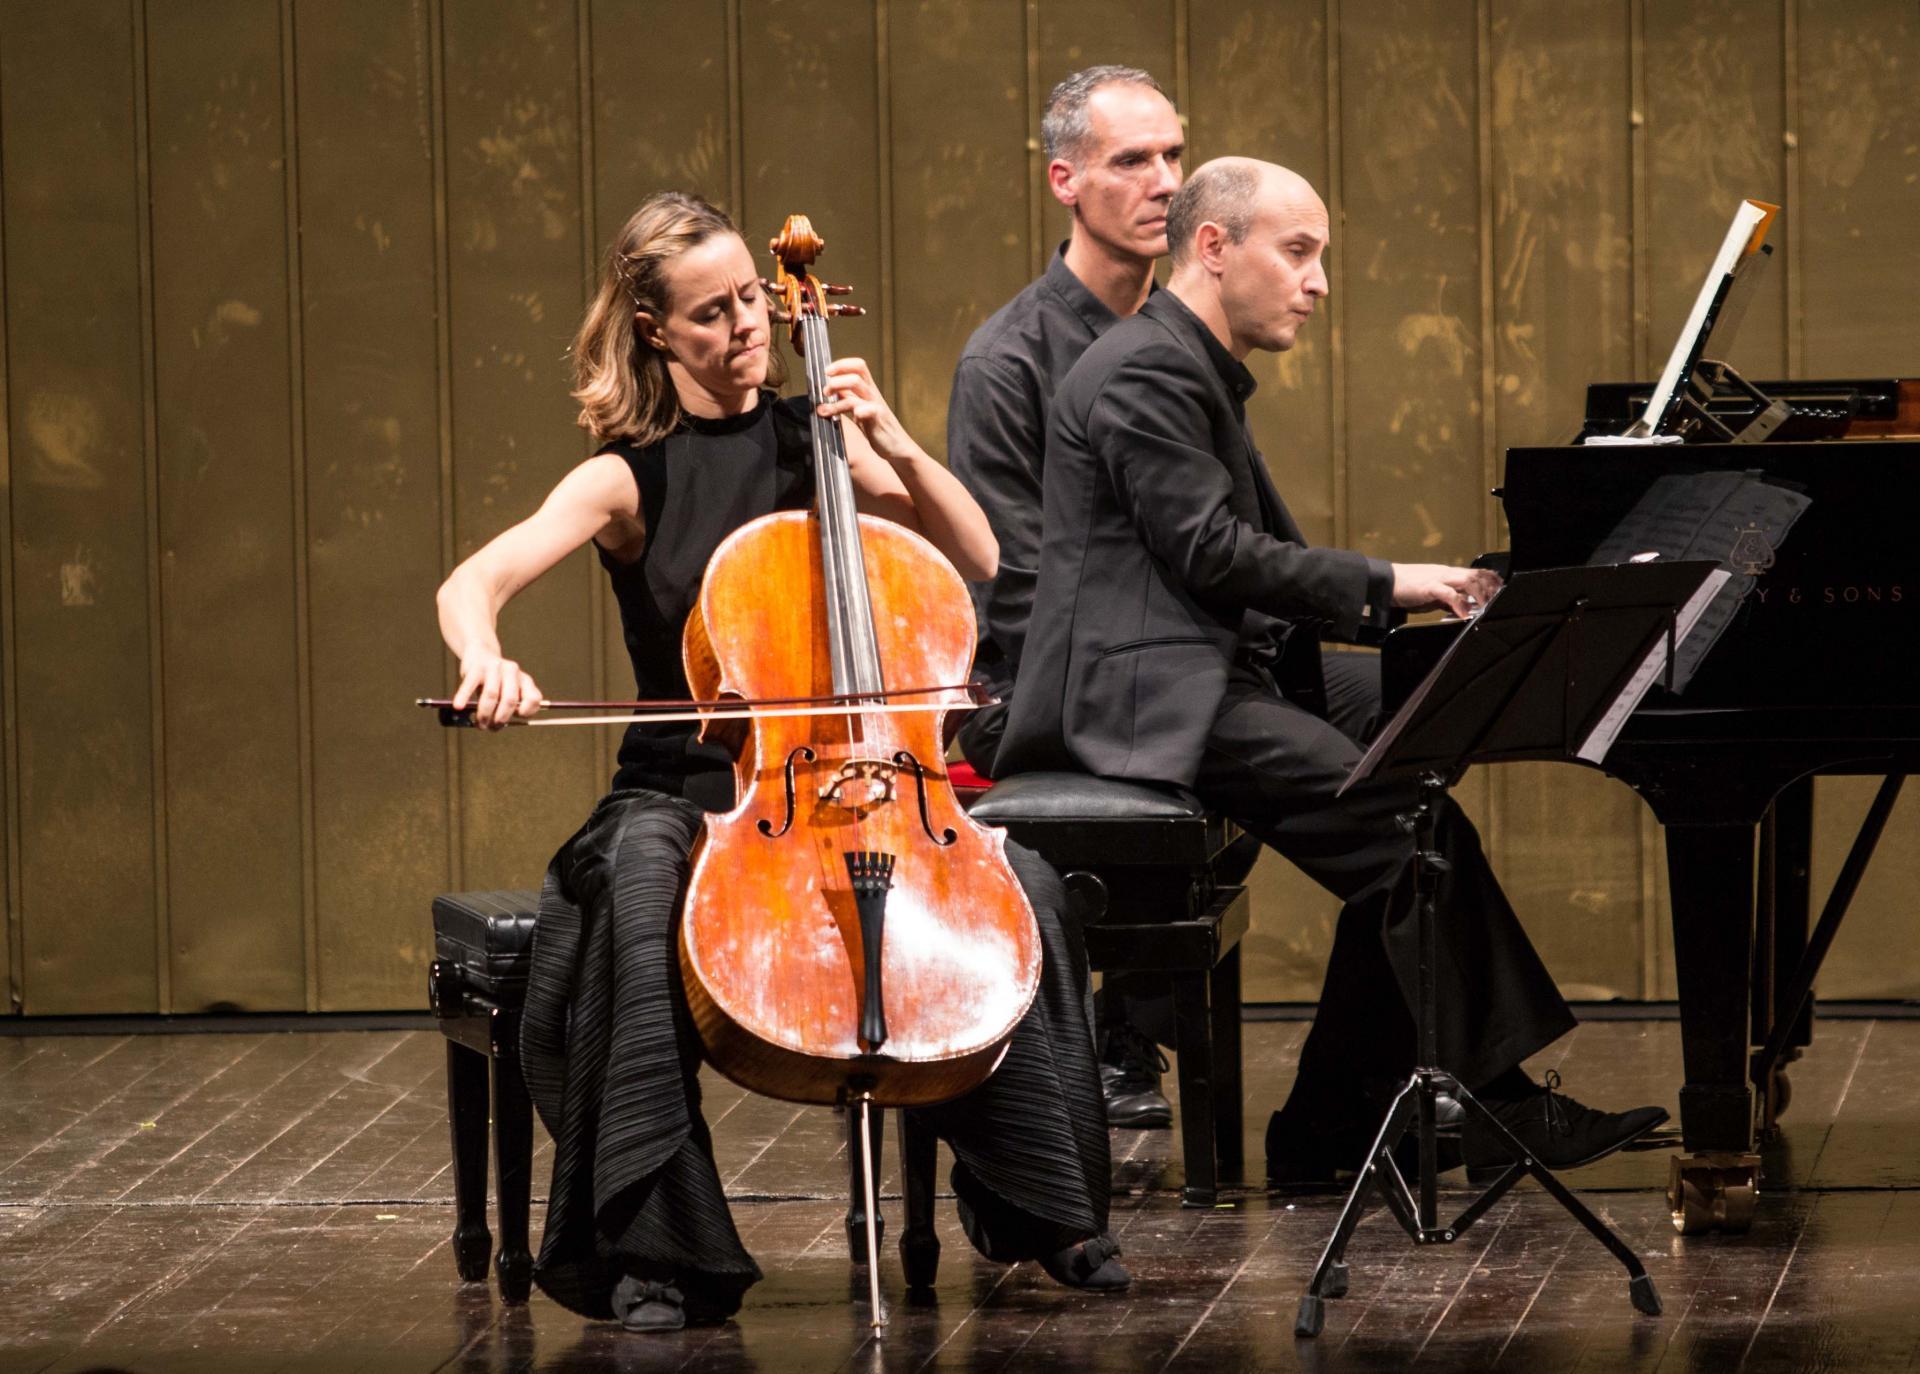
{"x":848,"y":933}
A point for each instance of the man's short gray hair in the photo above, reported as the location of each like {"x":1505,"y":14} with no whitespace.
{"x":1222,"y":193}
{"x":1063,"y":128}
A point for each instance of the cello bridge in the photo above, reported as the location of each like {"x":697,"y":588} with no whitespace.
{"x":860,"y":785}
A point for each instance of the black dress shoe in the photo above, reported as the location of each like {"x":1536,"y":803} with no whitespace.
{"x":1092,"y":1264}
{"x":1556,"y":1130}
{"x":649,"y":1305}
{"x":1130,"y":1081}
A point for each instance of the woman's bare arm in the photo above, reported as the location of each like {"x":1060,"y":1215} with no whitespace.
{"x":593,"y":497}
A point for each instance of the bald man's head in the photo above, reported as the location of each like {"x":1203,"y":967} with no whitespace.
{"x":1222,"y":192}
{"x":1229,"y":192}
{"x":1246,"y":239}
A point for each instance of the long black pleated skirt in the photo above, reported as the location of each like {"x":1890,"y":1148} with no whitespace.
{"x":612,"y":1060}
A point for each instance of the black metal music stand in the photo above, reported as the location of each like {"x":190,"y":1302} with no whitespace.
{"x":1539,"y":674}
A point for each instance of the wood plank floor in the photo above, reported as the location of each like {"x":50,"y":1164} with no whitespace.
{"x":266,"y":1202}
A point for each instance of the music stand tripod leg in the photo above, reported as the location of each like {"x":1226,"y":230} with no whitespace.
{"x":1639,"y":1283}
{"x":1379,"y":1172}
{"x":1414,"y":1108}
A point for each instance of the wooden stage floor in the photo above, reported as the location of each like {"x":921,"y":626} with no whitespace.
{"x":262,"y":1202}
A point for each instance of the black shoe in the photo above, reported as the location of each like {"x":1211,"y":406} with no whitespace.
{"x":1130,"y":1081}
{"x":649,"y":1305}
{"x":1093,"y":1265}
{"x":1558,"y":1131}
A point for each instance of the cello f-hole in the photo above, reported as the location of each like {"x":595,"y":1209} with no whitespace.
{"x":807,"y":755}
{"x":946,"y":835}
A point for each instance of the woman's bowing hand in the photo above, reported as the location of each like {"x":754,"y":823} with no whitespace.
{"x":499,"y":689}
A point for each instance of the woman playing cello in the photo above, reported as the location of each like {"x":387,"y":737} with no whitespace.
{"x":671,"y":364}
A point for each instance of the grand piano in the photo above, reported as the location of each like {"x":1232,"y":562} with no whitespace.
{"x":1808,"y":678}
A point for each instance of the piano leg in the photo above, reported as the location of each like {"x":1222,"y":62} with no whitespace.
{"x":1792,"y":816}
{"x":1710,"y":877}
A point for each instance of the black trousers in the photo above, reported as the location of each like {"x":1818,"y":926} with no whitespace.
{"x":1276,"y":768}
{"x":612,"y":1062}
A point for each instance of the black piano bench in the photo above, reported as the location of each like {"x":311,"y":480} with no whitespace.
{"x":482,"y":943}
{"x":1139,"y":864}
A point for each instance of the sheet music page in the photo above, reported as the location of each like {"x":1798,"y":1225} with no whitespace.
{"x":1734,"y":519}
{"x":1600,"y":739}
{"x":1738,"y":243}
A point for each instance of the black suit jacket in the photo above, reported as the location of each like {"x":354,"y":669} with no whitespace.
{"x":1166,"y":555}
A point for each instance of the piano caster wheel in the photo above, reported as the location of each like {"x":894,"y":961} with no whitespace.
{"x":1713,"y":1192}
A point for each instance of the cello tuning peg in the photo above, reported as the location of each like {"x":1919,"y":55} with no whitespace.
{"x":846,"y":310}
{"x":833,"y":290}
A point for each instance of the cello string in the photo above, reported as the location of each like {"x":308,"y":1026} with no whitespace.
{"x":834,"y":492}
{"x":854,"y":598}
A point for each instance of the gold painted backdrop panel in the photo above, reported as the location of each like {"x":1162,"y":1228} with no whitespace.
{"x":372,"y":420}
{"x":230,"y":638}
{"x":78,"y":616}
{"x":289,"y":286}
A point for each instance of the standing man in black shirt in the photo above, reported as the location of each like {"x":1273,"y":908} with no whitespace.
{"x":1113,"y":144}
{"x":1175,"y":638}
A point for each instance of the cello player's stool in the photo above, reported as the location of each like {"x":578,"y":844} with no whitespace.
{"x":482,"y":943}
{"x":1139,"y":864}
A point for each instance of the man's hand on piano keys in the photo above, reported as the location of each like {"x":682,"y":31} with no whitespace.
{"x":1436,"y":587}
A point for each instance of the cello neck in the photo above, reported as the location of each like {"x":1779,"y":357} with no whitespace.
{"x":855,"y":653}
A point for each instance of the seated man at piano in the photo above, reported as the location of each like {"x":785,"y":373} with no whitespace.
{"x":1175,"y":639}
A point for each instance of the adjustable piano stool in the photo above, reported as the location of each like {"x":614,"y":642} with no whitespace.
{"x":1141,"y":865}
{"x":1548,"y":670}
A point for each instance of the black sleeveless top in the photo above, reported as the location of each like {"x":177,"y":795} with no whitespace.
{"x":697,"y":486}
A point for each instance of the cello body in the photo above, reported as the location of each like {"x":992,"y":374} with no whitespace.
{"x":847,"y":929}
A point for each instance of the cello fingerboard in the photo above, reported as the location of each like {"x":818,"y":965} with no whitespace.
{"x":850,"y":637}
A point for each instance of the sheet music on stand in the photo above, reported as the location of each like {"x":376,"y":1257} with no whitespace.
{"x":1600,"y":739}
{"x":1736,"y":519}
{"x":1535,"y":626}
{"x":1717,"y":304}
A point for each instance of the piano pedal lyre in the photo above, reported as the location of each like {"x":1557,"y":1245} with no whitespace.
{"x":1713,"y":1192}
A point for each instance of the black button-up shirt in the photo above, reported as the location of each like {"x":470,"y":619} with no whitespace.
{"x":997,"y":434}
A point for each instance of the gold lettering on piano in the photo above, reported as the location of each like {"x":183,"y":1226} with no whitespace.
{"x":1857,"y":594}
